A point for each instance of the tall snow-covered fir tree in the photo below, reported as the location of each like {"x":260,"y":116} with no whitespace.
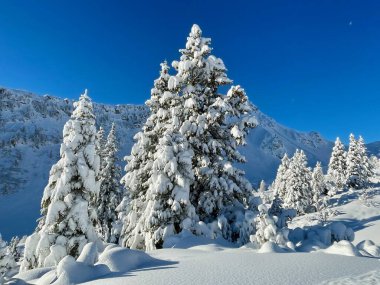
{"x":279,"y":187}
{"x":110,"y":194}
{"x":353,"y":164}
{"x":139,"y":166}
{"x":366,"y":168}
{"x":318,"y":184}
{"x":299,"y":195}
{"x":100,"y":145}
{"x":358,"y":166}
{"x":338,"y":166}
{"x":68,"y":221}
{"x":214,"y":125}
{"x":279,"y":184}
{"x":181,"y":167}
{"x":168,"y":209}
{"x":160,"y":207}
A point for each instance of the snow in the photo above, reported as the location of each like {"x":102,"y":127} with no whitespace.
{"x":189,"y":259}
{"x":343,"y":247}
{"x":200,"y":263}
{"x":240,"y":266}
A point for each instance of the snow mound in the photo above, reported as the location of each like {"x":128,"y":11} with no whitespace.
{"x":270,"y":247}
{"x":368,"y":248}
{"x":89,"y":254}
{"x":340,"y":232}
{"x":343,"y":247}
{"x":33,"y":274}
{"x":69,"y":271}
{"x":119,"y":259}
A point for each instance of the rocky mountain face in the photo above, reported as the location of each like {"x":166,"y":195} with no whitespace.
{"x":31,"y":134}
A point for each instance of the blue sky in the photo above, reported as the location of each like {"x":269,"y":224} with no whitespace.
{"x":311,"y":65}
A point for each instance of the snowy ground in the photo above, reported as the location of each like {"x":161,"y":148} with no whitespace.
{"x":194,"y":260}
{"x":242,"y":266}
{"x":213,"y":264}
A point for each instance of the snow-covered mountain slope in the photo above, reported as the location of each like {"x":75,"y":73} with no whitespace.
{"x":31,"y":133}
{"x":374,"y":148}
{"x":268,"y":143}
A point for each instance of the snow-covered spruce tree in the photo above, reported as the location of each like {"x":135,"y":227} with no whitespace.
{"x":276,"y":207}
{"x":100,"y":145}
{"x":279,"y":184}
{"x":299,"y":194}
{"x":139,"y":165}
{"x":358,"y":169}
{"x":14,"y":248}
{"x":214,"y":125}
{"x":168,"y":209}
{"x":366,"y":167}
{"x":110,"y":194}
{"x":318,"y":184}
{"x":67,"y":221}
{"x":279,"y":187}
{"x":161,"y":207}
{"x":262,"y":186}
{"x":263,"y":194}
{"x":338,"y":166}
{"x":7,"y":261}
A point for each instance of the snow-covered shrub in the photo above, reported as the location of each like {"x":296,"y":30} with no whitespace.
{"x":267,"y":231}
{"x":324,"y":210}
{"x":68,"y":220}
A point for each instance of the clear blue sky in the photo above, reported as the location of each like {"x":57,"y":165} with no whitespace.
{"x":310,"y":64}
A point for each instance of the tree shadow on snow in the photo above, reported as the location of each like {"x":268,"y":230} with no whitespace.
{"x":152,"y":264}
{"x":349,"y":196}
{"x":358,"y":225}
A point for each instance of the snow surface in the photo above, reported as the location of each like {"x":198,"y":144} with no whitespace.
{"x":187,"y":259}
{"x":242,"y":266}
{"x":208,"y":264}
